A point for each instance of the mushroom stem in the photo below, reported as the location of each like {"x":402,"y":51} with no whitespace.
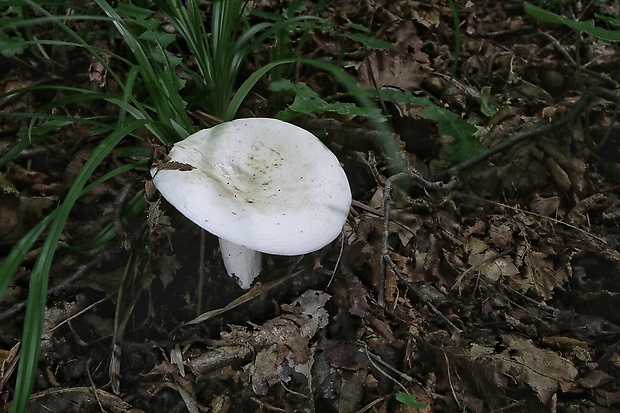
{"x":240,"y":262}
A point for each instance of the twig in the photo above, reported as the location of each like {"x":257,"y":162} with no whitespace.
{"x":419,"y":297}
{"x":337,"y":261}
{"x":387,"y":197}
{"x":374,"y":362}
{"x":387,"y":204}
{"x":375,"y":358}
{"x":256,"y":291}
{"x":79,"y":313}
{"x":518,"y":137}
{"x":604,"y":93}
{"x":562,"y":50}
{"x":379,"y":213}
{"x":456,"y":399}
{"x":266,"y":406}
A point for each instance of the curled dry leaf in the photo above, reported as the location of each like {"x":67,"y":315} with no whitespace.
{"x":501,"y":234}
{"x":282,"y":343}
{"x":8,"y":362}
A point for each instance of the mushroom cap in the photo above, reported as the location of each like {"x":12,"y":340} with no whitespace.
{"x":261,"y":183}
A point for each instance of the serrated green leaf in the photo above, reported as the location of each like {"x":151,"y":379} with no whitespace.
{"x":449,"y":123}
{"x":464,"y":148}
{"x":136,"y":12}
{"x":167,"y":58}
{"x":157,"y":37}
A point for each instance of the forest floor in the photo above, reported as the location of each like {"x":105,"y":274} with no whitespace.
{"x":501,"y":290}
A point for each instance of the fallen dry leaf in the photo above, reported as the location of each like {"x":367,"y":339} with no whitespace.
{"x":391,"y":68}
{"x":542,"y":370}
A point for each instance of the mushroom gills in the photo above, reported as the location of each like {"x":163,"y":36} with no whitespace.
{"x":240,"y":262}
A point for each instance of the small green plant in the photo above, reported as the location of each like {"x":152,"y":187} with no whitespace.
{"x":219,"y":55}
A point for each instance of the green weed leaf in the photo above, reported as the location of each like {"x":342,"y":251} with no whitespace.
{"x":464,"y":145}
{"x":10,"y":46}
{"x":585,"y":26}
{"x":410,"y":400}
{"x":307,"y":101}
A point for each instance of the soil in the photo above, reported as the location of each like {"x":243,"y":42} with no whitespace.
{"x":495,"y":291}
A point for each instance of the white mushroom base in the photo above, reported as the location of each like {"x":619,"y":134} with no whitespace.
{"x":240,"y":262}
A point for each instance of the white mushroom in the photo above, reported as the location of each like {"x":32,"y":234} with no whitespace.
{"x":260,"y":185}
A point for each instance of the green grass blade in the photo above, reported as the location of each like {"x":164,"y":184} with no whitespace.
{"x":14,"y":259}
{"x":162,"y":86}
{"x":134,"y":206}
{"x":188,"y":22}
{"x":35,"y":311}
{"x":457,"y":41}
{"x":247,"y":86}
{"x":16,"y":149}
